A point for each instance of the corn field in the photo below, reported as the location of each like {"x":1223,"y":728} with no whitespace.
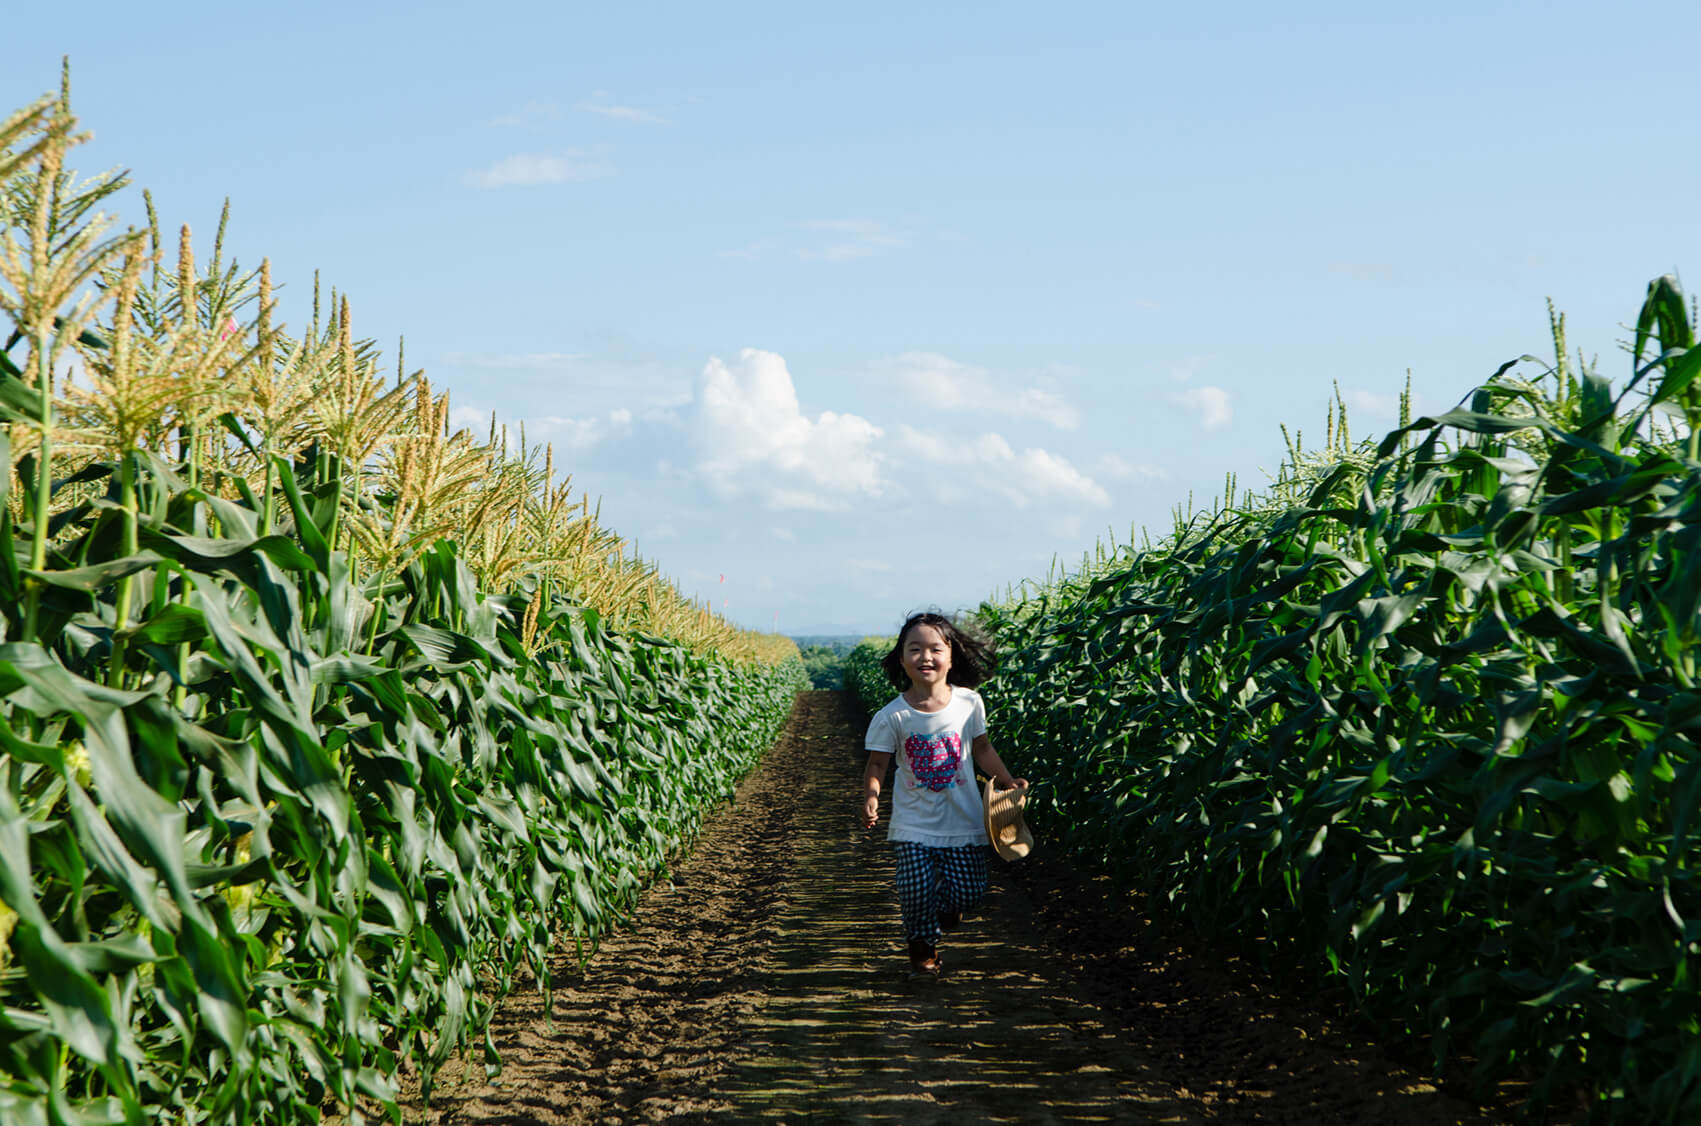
{"x":1424,"y":716}
{"x":864,"y":678}
{"x":322,"y":719}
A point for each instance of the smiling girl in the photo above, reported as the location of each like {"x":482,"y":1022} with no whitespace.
{"x":936,"y":728}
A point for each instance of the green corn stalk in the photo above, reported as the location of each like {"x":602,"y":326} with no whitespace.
{"x":1426,"y":736}
{"x":258,"y":894}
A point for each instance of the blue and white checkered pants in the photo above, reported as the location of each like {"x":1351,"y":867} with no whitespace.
{"x":931,"y":880}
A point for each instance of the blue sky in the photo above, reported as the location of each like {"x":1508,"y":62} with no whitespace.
{"x":886,"y":307}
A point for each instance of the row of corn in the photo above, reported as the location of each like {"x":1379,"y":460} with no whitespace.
{"x":322,"y":722}
{"x":1425,"y":716}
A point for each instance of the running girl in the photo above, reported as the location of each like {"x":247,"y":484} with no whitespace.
{"x":938,"y":827}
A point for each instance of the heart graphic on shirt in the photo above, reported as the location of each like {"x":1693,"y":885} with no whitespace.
{"x":933,"y":759}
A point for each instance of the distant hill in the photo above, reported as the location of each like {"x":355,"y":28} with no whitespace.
{"x":837,"y":642}
{"x":832,"y":631}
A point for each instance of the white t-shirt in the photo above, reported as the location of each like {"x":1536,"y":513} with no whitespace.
{"x":934,"y":800}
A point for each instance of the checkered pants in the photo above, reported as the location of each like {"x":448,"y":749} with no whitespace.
{"x":931,"y":880}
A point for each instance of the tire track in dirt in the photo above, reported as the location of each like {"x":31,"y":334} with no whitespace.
{"x":766,"y":981}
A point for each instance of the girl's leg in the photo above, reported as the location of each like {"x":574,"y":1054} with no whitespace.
{"x":918,"y":894}
{"x":962,"y":877}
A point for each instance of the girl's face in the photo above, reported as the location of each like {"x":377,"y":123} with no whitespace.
{"x":926,"y":656}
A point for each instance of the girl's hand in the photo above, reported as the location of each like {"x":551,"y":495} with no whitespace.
{"x":870,"y":812}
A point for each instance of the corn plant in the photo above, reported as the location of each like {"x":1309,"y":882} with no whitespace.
{"x":1429,"y":726}
{"x":864,"y":678}
{"x":298,"y":765}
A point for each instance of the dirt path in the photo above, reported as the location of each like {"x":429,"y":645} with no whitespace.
{"x":767,"y":982}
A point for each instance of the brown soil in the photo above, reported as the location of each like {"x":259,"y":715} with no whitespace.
{"x":767,"y":981}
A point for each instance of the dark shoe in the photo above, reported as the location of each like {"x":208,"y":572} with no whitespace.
{"x":949,"y":920}
{"x":924,"y":957}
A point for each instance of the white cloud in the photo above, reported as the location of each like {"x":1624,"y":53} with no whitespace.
{"x":577,"y":383}
{"x":1383,"y":408}
{"x":754,"y":437}
{"x":849,"y":239}
{"x":785,"y":535}
{"x":989,"y":449}
{"x":1214,"y":405}
{"x":1115,"y":467}
{"x":992,"y":466}
{"x":580,"y":434}
{"x":1049,"y":475}
{"x":1037,"y":402}
{"x":565,"y":432}
{"x":530,"y":169}
{"x":940,"y":382}
{"x":602,"y":102}
{"x":529,"y":114}
{"x":1188,"y":368}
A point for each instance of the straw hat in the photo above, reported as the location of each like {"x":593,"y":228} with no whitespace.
{"x":1004,"y":825}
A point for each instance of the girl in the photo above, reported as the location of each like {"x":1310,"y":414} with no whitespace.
{"x":938,"y":827}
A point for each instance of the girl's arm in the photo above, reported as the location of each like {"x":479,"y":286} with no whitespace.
{"x":872,"y":775}
{"x":990,"y":764}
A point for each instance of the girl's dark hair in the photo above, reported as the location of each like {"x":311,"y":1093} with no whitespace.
{"x":973,"y":657}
